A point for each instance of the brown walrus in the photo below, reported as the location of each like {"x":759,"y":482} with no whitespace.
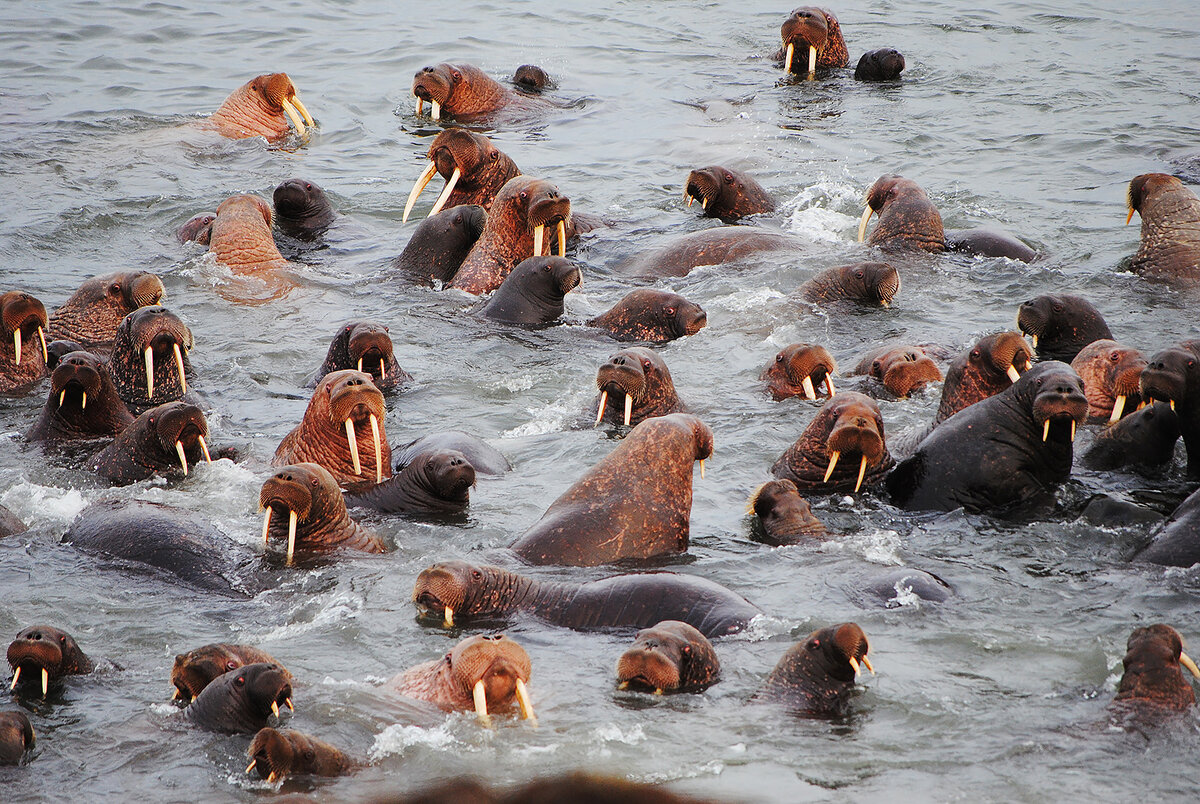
{"x":521,"y":212}
{"x":812,"y":38}
{"x":342,"y":430}
{"x":149,"y":361}
{"x":799,"y":370}
{"x":242,"y":240}
{"x":993,"y":364}
{"x":440,"y":243}
{"x":848,"y":424}
{"x":93,"y":313}
{"x":457,"y":589}
{"x":785,"y":516}
{"x":22,"y":340}
{"x":279,"y":753}
{"x":1111,"y":376}
{"x":907,"y":218}
{"x":901,"y":369}
{"x":462,"y":91}
{"x":241,"y":700}
{"x":16,"y":737}
{"x":42,"y":656}
{"x":635,"y":503}
{"x":261,"y":107}
{"x":816,"y":677}
{"x":1060,"y":326}
{"x":635,"y":385}
{"x":671,"y":656}
{"x":308,"y":499}
{"x":196,"y":669}
{"x":1173,"y":376}
{"x":716,"y":246}
{"x":1170,"y":247}
{"x":484,"y":673}
{"x":1153,"y":682}
{"x":161,"y":441}
{"x":872,"y":283}
{"x":367,"y":347}
{"x":474,"y":169}
{"x":83,"y":402}
{"x":653,"y":316}
{"x":726,"y":194}
{"x":197,"y":229}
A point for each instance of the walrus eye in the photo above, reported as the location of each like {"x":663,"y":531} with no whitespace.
{"x":1114,"y":357}
{"x":729,"y":178}
{"x":63,"y":639}
{"x":476,"y":574}
{"x":779,"y":357}
{"x":315,"y":482}
{"x":495,"y":155}
{"x":669,"y":311}
{"x":546,"y":267}
{"x":456,"y":75}
{"x":1058,"y":308}
{"x":309,"y":755}
{"x":974,"y":354}
{"x":816,"y":643}
{"x":859,"y":274}
{"x":231,"y":665}
{"x":645,"y":364}
{"x":115,"y":289}
{"x":524,"y":194}
{"x":240,"y":680}
{"x":308,"y":187}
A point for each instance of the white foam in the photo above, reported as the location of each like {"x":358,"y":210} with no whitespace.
{"x":745,"y":300}
{"x":813,"y":211}
{"x":395,"y":739}
{"x":553,"y":417}
{"x":514,"y":383}
{"x":43,"y":505}
{"x":612,"y":733}
{"x":335,"y":608}
{"x":877,"y":546}
{"x":905,"y":597}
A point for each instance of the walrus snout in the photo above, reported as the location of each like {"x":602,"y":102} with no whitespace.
{"x":1165,"y":377}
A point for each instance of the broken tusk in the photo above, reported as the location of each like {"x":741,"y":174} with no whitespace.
{"x":525,"y":702}
{"x":352,"y":440}
{"x":422,"y":181}
{"x":809,"y":391}
{"x":628,"y":409}
{"x":449,"y":188}
{"x":862,"y":223}
{"x":149,"y":355}
{"x":378,"y":450}
{"x":1118,"y":408}
{"x":182,"y":457}
{"x":179,"y":367}
{"x":833,"y":459}
{"x":291,"y":535}
{"x":862,"y":470}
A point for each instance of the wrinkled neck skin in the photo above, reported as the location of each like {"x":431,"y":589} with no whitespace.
{"x":90,"y":323}
{"x":486,"y":95}
{"x":1170,"y":244}
{"x":483,"y":184}
{"x":965,"y":386}
{"x":506,"y":241}
{"x":505,"y":592}
{"x":327,"y":526}
{"x":242,"y":240}
{"x":245,"y":113}
{"x":409,"y":491}
{"x":806,"y":460}
{"x":910,"y":221}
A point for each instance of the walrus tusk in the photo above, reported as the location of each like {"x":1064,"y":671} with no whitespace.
{"x":812,"y":59}
{"x":293,"y":114}
{"x":352,"y":440}
{"x":833,"y":459}
{"x":291,"y":535}
{"x":382,"y":369}
{"x":266,"y":524}
{"x":704,"y":203}
{"x":628,"y":409}
{"x":1046,"y":430}
{"x":481,"y":702}
{"x":204,"y":449}
{"x":179,"y":366}
{"x":867,"y":663}
{"x":624,"y":685}
{"x":809,"y":392}
{"x":525,"y":702}
{"x":419,"y":103}
{"x":378,"y":451}
{"x":253,"y":762}
{"x":436,"y":114}
{"x":1028,"y":365}
{"x":288,"y":703}
{"x":1033,"y":339}
{"x":1187,"y":662}
{"x":701,"y":468}
{"x":599,"y":413}
{"x":271,"y":777}
{"x":275,"y":708}
{"x":862,"y":223}
{"x":1072,"y":431}
{"x":16,"y":678}
{"x":1171,"y":402}
{"x":854,"y":664}
{"x":182,"y":457}
{"x":562,"y":238}
{"x":1118,"y":408}
{"x":149,"y":354}
{"x":787,"y":61}
{"x":862,"y":470}
{"x":308,"y":118}
{"x":687,"y":197}
{"x":45,"y":682}
{"x":17,"y":344}
{"x":42,"y":337}
{"x":537,"y":239}
{"x":421,"y":183}
{"x":176,"y":695}
{"x":1129,"y":217}
{"x":829,"y":386}
{"x":449,"y":188}
{"x":62,"y":397}
{"x":1012,"y":373}
{"x":448,"y":617}
{"x":83,"y":401}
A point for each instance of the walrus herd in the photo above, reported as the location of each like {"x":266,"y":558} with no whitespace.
{"x":113,"y":365}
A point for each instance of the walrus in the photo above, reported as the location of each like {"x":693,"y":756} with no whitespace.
{"x":168,"y":542}
{"x":908,"y":220}
{"x":984,"y":241}
{"x":799,"y":370}
{"x":261,"y":107}
{"x":161,"y":441}
{"x":993,"y":364}
{"x":785,"y":516}
{"x":486,"y":459}
{"x":892,"y":588}
{"x":532,"y":295}
{"x":462,"y":91}
{"x":197,"y":229}
{"x":1173,"y":376}
{"x":440,"y":243}
{"x":367,"y":347}
{"x":1060,"y":326}
{"x":848,"y":424}
{"x":1005,"y":453}
{"x":22,"y":340}
{"x":1153,"y":682}
{"x":315,"y":512}
{"x":475,"y":170}
{"x":484,"y":673}
{"x":241,"y":700}
{"x":672,"y":656}
{"x":531,"y":77}
{"x":812,"y":38}
{"x":514,"y":231}
{"x":1112,"y":376}
{"x":57,"y":350}
{"x":277,"y":754}
{"x":433,"y":482}
{"x":16,"y":737}
{"x":1177,"y":544}
{"x":457,"y":589}
{"x":881,"y":64}
{"x":302,"y":209}
{"x":871,"y":283}
{"x":94,"y":312}
{"x":716,"y":246}
{"x":149,"y":362}
{"x":342,"y":430}
{"x":653,"y":316}
{"x":1170,"y":246}
{"x":635,"y":503}
{"x":10,"y":523}
{"x":902,"y":369}
{"x":242,"y":241}
{"x":816,"y":677}
{"x":635,"y":385}
{"x":81,"y":378}
{"x":196,"y":669}
{"x":1143,"y":438}
{"x":726,"y":194}
{"x":42,"y":656}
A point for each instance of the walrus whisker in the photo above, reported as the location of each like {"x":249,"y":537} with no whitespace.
{"x":422,"y":181}
{"x":1046,"y":430}
{"x":436,"y":112}
{"x":1118,"y":408}
{"x":45,"y":354}
{"x":378,"y":451}
{"x":352,"y":440}
{"x":182,"y":456}
{"x":787,"y":62}
{"x":628,"y":409}
{"x":537,"y":239}
{"x":291,"y":537}
{"x":525,"y":703}
{"x":1012,"y":373}
{"x":179,"y":366}
{"x":481,"y":703}
{"x":599,"y":413}
{"x":449,"y":188}
{"x":862,"y":470}
{"x":293,"y":114}
{"x":809,"y":391}
{"x":562,"y":238}
{"x":17,"y":344}
{"x":308,"y":118}
{"x":812,"y":59}
{"x":833,"y":459}
{"x":266,"y":524}
{"x":149,"y":355}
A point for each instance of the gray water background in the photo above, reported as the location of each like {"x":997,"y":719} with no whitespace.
{"x":1030,"y":116}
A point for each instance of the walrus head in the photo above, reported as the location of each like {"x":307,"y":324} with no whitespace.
{"x":800,"y":368}
{"x":669,"y":657}
{"x":546,"y":207}
{"x":22,"y":323}
{"x":878,"y":282}
{"x":724,"y":193}
{"x":467,"y":161}
{"x":16,"y":737}
{"x":352,"y":400}
{"x":783,"y":512}
{"x":95,"y":311}
{"x":300,"y":199}
{"x":257,"y":108}
{"x":265,"y":687}
{"x":1003,"y":353}
{"x":1173,"y":376}
{"x":883,"y":64}
{"x":446,"y":472}
{"x":632,"y":375}
{"x":805,"y":33}
{"x":196,"y":669}
{"x":1153,"y":657}
{"x":180,"y":428}
{"x":1112,"y":376}
{"x":1065,"y":318}
{"x":41,"y":654}
{"x":493,"y":670}
{"x":1059,"y":403}
{"x":907,"y":218}
{"x":309,"y":496}
{"x":273,"y":755}
{"x":77,"y":376}
{"x":152,"y":336}
{"x":839,"y":650}
{"x":369,"y":347}
{"x":1145,"y":189}
{"x":848,"y":424}
{"x":652,"y":315}
{"x":435,"y":85}
{"x":452,"y":588}
{"x":905,"y":370}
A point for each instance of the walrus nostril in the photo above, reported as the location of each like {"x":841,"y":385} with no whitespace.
{"x":426,"y":69}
